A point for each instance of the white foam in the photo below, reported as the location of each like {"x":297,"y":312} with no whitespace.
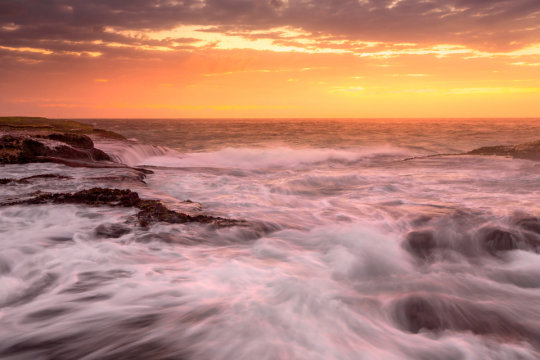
{"x":250,"y":158}
{"x":131,"y":153}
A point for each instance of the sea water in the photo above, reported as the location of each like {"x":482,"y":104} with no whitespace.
{"x":356,"y":245}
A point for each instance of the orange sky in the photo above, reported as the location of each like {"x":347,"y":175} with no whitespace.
{"x":230,"y":58}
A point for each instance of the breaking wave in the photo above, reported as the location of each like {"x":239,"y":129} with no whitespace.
{"x":247,"y":158}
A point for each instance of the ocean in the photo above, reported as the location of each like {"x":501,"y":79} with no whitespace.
{"x":357,"y":244}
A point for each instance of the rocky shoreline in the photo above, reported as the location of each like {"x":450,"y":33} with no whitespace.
{"x":525,"y":151}
{"x":528,"y":151}
{"x":40,"y":143}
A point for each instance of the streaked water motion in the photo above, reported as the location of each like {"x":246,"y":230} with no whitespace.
{"x":350,"y":252}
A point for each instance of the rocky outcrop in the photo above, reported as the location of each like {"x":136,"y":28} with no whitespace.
{"x":152,"y":211}
{"x":528,"y":150}
{"x":79,"y":141}
{"x":26,"y":180}
{"x":23,"y":149}
{"x":17,"y":124}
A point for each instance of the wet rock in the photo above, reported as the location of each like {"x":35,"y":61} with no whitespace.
{"x":47,"y":176}
{"x":109,"y":134}
{"x":26,"y":179}
{"x":93,"y":164}
{"x":493,"y":150}
{"x":23,"y":149}
{"x":420,"y":243}
{"x":418,"y":313}
{"x":151,"y":210}
{"x":5,"y":268}
{"x":497,"y":240}
{"x":421,"y":311}
{"x":529,"y":224}
{"x":528,"y":150}
{"x":93,"y":279}
{"x":113,"y":231}
{"x":76,"y":140}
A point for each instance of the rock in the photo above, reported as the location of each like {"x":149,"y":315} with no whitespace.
{"x":529,"y":224}
{"x":113,"y":231}
{"x":43,"y":125}
{"x":26,"y":179}
{"x":437,"y":312}
{"x":528,"y":150}
{"x":493,"y":150}
{"x":496,"y":240}
{"x":152,"y":211}
{"x":23,"y":149}
{"x":420,"y":243}
{"x":76,"y":140}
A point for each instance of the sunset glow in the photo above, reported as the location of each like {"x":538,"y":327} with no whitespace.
{"x":371,"y":58}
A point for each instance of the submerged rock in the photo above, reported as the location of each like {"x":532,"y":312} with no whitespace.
{"x":114,"y":231}
{"x":430,"y":312}
{"x":25,"y":180}
{"x":152,"y":211}
{"x":420,"y":243}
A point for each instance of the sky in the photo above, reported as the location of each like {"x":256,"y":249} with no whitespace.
{"x":270,"y":58}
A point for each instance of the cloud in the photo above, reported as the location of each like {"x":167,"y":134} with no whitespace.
{"x":95,"y":25}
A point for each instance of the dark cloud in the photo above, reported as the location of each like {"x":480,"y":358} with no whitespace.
{"x":71,"y":25}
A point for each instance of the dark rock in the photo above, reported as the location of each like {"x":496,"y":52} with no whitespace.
{"x":493,"y":150}
{"x":25,"y":180}
{"x":151,"y":210}
{"x":113,"y":231}
{"x":4,"y":267}
{"x":91,"y":280}
{"x":529,"y":150}
{"x":439,"y":312}
{"x":76,"y":140}
{"x":420,"y":243}
{"x":23,"y":149}
{"x":109,"y":134}
{"x":43,"y":125}
{"x":496,"y":240}
{"x":529,"y":224}
{"x":419,"y":313}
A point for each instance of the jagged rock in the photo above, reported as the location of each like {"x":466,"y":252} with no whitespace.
{"x":23,"y":149}
{"x":493,"y":150}
{"x":528,"y":150}
{"x":42,"y":176}
{"x":151,"y":210}
{"x":76,"y":140}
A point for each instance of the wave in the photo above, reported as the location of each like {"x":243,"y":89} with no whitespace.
{"x":133,"y":154}
{"x":278,"y":157}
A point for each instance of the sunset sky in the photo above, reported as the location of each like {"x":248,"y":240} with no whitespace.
{"x":270,"y":58}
